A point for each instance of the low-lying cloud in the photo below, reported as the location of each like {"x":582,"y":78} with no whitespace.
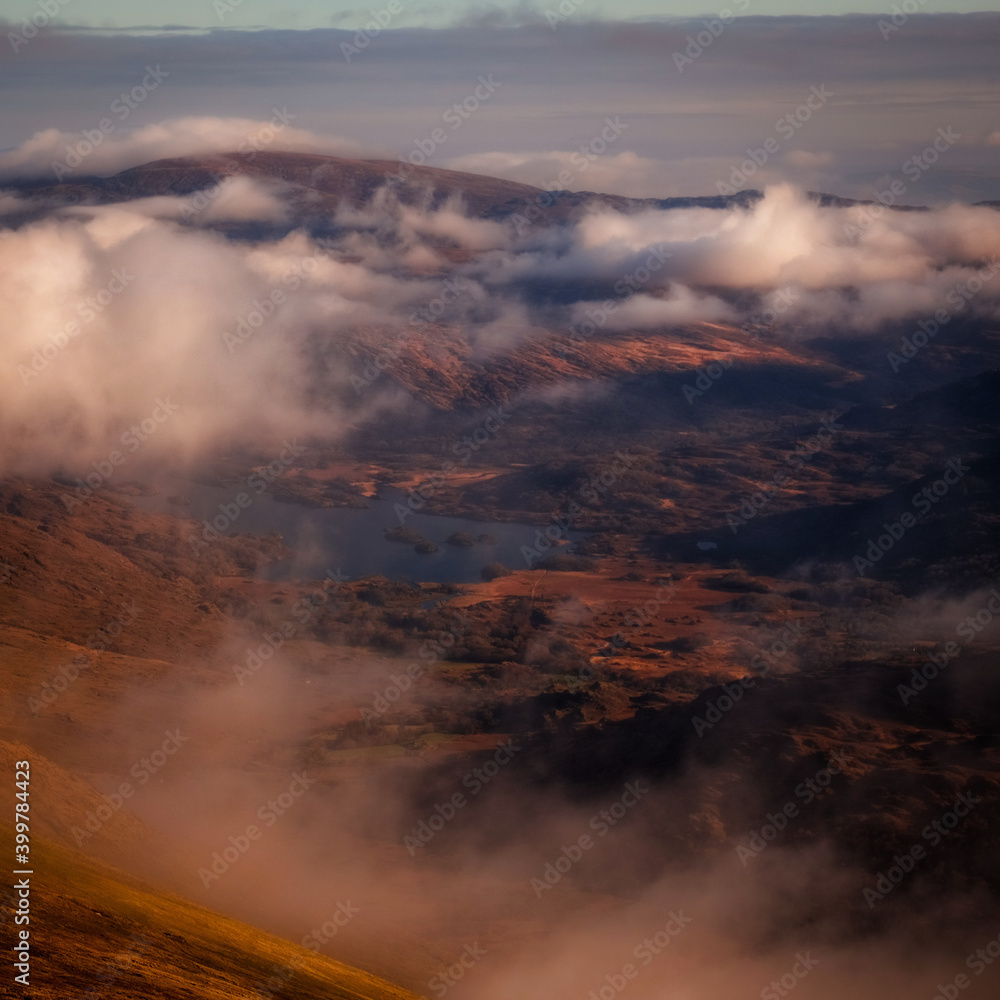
{"x":105,"y":149}
{"x":107,"y":311}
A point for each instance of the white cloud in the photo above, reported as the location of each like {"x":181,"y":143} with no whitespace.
{"x":241,"y":199}
{"x":85,"y":359}
{"x":680,"y":307}
{"x":623,"y":172}
{"x":66,"y":154}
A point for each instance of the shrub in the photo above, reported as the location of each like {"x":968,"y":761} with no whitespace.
{"x":403,"y":534}
{"x":739,"y":583}
{"x":494,"y":570}
{"x":566,"y":562}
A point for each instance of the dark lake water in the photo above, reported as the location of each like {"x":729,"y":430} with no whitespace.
{"x":353,"y":541}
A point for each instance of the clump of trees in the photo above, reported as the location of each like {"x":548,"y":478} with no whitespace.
{"x":494,"y":570}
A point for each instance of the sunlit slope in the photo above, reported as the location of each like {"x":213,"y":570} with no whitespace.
{"x":95,"y":928}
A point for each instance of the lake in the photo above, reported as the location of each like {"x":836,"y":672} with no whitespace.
{"x":352,"y":541}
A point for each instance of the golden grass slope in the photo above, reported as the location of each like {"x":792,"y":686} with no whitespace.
{"x":96,"y":931}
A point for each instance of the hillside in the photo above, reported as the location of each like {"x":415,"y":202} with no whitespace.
{"x":317,"y":185}
{"x":94,"y":927}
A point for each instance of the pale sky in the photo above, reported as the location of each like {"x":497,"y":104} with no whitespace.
{"x":431,"y":13}
{"x":691,"y":113}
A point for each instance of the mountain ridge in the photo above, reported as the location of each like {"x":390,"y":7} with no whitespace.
{"x":357,"y":180}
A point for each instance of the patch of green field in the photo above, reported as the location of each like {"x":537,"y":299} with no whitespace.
{"x":433,"y":739}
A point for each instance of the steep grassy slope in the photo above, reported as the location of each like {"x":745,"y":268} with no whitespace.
{"x":94,"y":928}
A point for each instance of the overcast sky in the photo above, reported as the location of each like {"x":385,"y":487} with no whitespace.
{"x":689,"y":114}
{"x":431,"y":13}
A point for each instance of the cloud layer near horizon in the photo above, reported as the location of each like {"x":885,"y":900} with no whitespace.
{"x":56,"y":155}
{"x":107,"y":310}
{"x":688,"y":125}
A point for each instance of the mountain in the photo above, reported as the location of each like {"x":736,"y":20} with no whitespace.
{"x":95,"y":927}
{"x":316,"y":185}
{"x":647,"y":513}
